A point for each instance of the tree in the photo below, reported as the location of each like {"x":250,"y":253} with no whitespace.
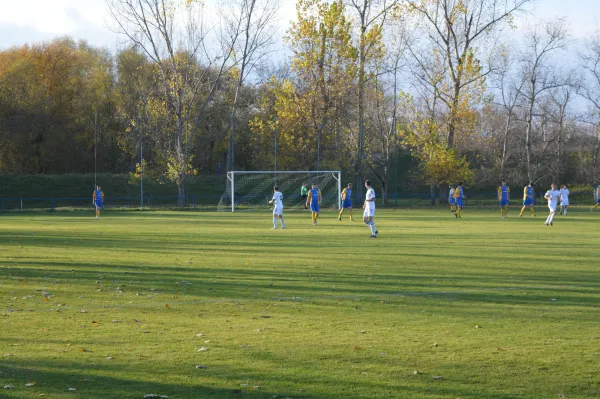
{"x":371,"y":19}
{"x":540,"y":77}
{"x":560,"y":101}
{"x":589,"y":60}
{"x":324,"y":62}
{"x":257,"y":18}
{"x":188,"y":75}
{"x":509,"y":89}
{"x":49,"y":93}
{"x":456,"y":28}
{"x":438,"y":164}
{"x":383,"y":144}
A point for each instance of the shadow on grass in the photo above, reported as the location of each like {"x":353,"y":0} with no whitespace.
{"x":94,"y":381}
{"x":458,"y":293}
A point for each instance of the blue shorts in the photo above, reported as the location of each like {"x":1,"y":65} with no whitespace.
{"x":598,"y":201}
{"x":459,"y":202}
{"x":451,"y":201}
{"x":98,"y":204}
{"x":528,"y":202}
{"x":315,"y":208}
{"x":347,"y":204}
{"x":504,"y":203}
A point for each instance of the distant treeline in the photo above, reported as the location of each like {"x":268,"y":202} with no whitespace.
{"x":409,"y":98}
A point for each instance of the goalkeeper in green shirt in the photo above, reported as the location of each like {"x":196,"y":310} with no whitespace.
{"x":304,"y":194}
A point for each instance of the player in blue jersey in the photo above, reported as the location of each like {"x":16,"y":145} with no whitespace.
{"x":314,"y":199}
{"x":503,"y":198}
{"x":97,"y":199}
{"x":596,"y":197}
{"x":528,"y":199}
{"x":451,"y":200}
{"x":346,"y":202}
{"x":459,"y":196}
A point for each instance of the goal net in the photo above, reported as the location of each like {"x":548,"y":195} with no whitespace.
{"x":252,"y":190}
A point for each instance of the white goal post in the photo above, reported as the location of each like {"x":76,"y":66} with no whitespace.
{"x":250,"y":189}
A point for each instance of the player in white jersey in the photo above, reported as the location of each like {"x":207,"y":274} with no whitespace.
{"x":369,"y":207}
{"x":552,"y":196}
{"x":564,"y":199}
{"x":277,"y":203}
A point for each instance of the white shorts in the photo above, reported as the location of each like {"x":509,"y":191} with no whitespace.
{"x":564,"y":203}
{"x":278,"y":211}
{"x":552,"y":207}
{"x":369,"y":212}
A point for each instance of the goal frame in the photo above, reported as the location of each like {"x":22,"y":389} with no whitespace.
{"x":337,"y":175}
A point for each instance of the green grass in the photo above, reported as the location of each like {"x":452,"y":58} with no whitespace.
{"x":498,"y":309}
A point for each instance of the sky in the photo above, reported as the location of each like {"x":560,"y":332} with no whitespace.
{"x":34,"y":21}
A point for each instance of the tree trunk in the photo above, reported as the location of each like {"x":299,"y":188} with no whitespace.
{"x":320,"y":131}
{"x":384,"y":185}
{"x":232,"y":117}
{"x":505,"y":144}
{"x":361,"y":110}
{"x":182,"y":160}
{"x":181,"y":190}
{"x":529,"y":132}
{"x":559,"y":147}
{"x":596,"y":156}
{"x":453,"y":119}
{"x":432,"y":194}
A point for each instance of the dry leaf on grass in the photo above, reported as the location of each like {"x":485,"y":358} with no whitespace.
{"x":30,"y":384}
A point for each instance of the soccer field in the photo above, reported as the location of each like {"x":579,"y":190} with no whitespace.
{"x":217,"y":305}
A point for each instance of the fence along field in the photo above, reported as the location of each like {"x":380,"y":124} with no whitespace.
{"x":55,"y":192}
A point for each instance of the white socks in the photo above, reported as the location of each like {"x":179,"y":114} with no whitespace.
{"x":275,"y":223}
{"x":550,"y":218}
{"x":371,"y":225}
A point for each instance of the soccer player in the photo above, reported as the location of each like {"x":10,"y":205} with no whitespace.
{"x":503,"y":198}
{"x":97,"y":199}
{"x":277,"y":203}
{"x":304,"y":194}
{"x":528,"y":196}
{"x":552,"y":196}
{"x":314,"y":198}
{"x":369,"y":207}
{"x":459,"y":196}
{"x":564,"y":199}
{"x":451,"y":200}
{"x":346,"y":202}
{"x":596,"y":197}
